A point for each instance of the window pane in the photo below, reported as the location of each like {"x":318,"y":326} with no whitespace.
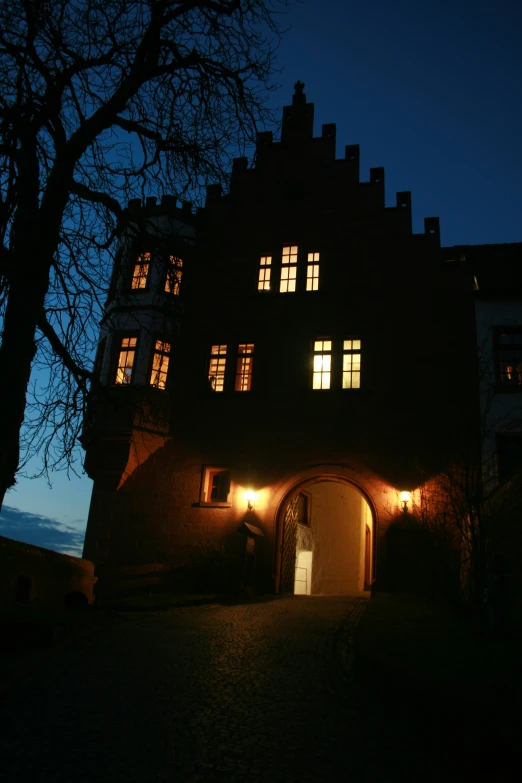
{"x":322,"y":364}
{"x":141,"y":271}
{"x":510,"y":358}
{"x":218,"y":487}
{"x":289,"y":255}
{"x":216,"y":370}
{"x":125,"y":360}
{"x":312,"y":272}
{"x":264,"y":279}
{"x":174,"y":272}
{"x":244,"y":367}
{"x":351,"y":365}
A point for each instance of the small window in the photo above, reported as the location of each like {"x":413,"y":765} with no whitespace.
{"x":312,"y":272}
{"x":216,"y":485}
{"x":351,"y":364}
{"x":160,"y":365}
{"x":173,"y":278}
{"x":140,"y":273}
{"x":304,"y":502}
{"x":509,"y":358}
{"x":245,"y":362}
{"x":288,"y":269}
{"x":126,"y":354}
{"x":265,"y":264}
{"x":322,"y":364}
{"x":216,"y":370}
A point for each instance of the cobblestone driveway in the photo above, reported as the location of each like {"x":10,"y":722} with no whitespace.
{"x":255,"y":692}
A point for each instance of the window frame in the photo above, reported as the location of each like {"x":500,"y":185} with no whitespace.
{"x":351,"y":352}
{"x":313,"y":264}
{"x":502,"y":386}
{"x":173,"y":271}
{"x":307,"y":502}
{"x":289,"y":265}
{"x":263,"y":268}
{"x":244,"y":359}
{"x":155,"y":351}
{"x":205,"y":494}
{"x":136,"y":263}
{"x":323,"y":352}
{"x":215,"y":356}
{"x":118,"y":339}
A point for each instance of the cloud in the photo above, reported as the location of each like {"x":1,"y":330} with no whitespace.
{"x":41,"y":531}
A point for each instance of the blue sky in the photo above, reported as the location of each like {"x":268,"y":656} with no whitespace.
{"x":432,"y":92}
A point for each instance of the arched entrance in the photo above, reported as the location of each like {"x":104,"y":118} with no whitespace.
{"x":327,"y":545}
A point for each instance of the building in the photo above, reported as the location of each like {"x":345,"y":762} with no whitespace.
{"x":275,"y":370}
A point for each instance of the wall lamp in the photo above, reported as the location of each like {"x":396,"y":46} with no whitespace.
{"x":250,"y":497}
{"x":405,"y":499}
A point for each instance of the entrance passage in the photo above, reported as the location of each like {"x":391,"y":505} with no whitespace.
{"x":327,"y":541}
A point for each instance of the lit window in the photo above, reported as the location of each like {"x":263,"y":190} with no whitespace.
{"x":216,"y":485}
{"x":509,"y":357}
{"x":160,"y":365}
{"x":288,"y":269}
{"x":141,"y":271}
{"x":351,"y":364}
{"x":322,"y":364}
{"x":264,"y":273}
{"x":245,"y":361}
{"x":216,"y":370}
{"x":312,"y":272}
{"x":173,"y":279}
{"x":126,"y":359}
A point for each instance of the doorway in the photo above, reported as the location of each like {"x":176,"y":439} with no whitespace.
{"x":327,"y":525}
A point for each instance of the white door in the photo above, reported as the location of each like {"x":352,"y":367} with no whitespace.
{"x":303,"y":572}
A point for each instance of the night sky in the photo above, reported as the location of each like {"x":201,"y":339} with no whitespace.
{"x":429,"y":90}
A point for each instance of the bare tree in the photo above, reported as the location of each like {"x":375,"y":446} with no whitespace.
{"x":102,"y":101}
{"x":464,"y":507}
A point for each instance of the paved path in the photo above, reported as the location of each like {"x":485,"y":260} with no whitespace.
{"x":257,"y":692}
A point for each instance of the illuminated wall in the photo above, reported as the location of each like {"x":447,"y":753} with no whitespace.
{"x":336,"y":537}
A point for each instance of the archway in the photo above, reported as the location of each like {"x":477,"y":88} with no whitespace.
{"x":327,"y":544}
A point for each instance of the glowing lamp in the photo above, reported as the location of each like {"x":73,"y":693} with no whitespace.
{"x":250,"y":497}
{"x":405,"y":499}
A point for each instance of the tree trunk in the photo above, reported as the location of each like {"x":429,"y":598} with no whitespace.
{"x":27,"y":290}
